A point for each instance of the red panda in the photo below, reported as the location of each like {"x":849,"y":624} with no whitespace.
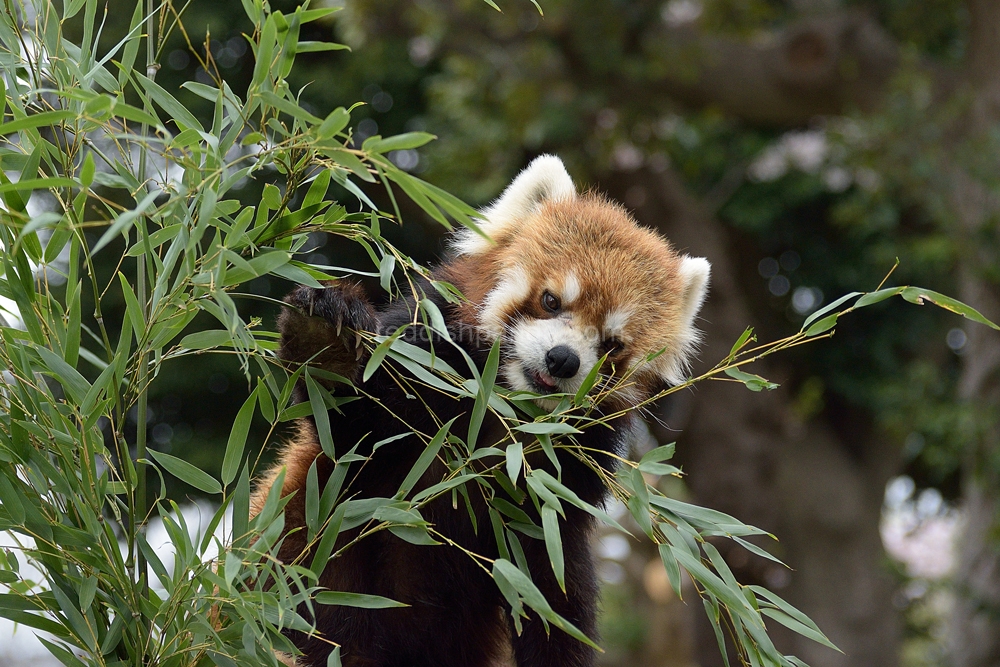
{"x":564,"y":281}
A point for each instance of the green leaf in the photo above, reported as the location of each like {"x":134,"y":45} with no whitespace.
{"x":917,"y":295}
{"x":733,"y":599}
{"x":398,"y":142}
{"x":486,"y":381}
{"x":238,"y":439}
{"x":357,"y":600}
{"x":385,"y":269}
{"x":740,"y":342}
{"x":292,"y":109}
{"x":534,"y":599}
{"x":424,"y":460}
{"x":124,"y":222}
{"x":186,"y":472}
{"x":589,"y":381}
{"x":329,"y":539}
{"x":204,"y":340}
{"x":414,"y":535}
{"x":349,"y":160}
{"x":320,"y":415}
{"x":76,"y":385}
{"x":379,"y":353}
{"x":264,"y":263}
{"x":793,"y":614}
{"x":547,"y":428}
{"x":252,"y":138}
{"x":827,"y":308}
{"x":553,"y":544}
{"x":651,"y":461}
{"x":87,"y":170}
{"x":638,"y":502}
{"x":177,"y":111}
{"x":313,"y":47}
{"x":317,"y":191}
{"x":664,"y":453}
{"x":752,"y":382}
{"x":335,"y":122}
{"x":822,"y":325}
{"x":672,"y":569}
{"x":876,"y":297}
{"x":515,"y":458}
{"x":44,"y":118}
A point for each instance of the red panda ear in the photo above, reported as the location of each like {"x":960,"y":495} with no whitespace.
{"x":544,"y":180}
{"x":694,"y":273}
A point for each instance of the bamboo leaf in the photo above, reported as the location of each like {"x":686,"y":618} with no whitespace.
{"x":822,"y":325}
{"x":177,"y":111}
{"x":357,"y":600}
{"x":515,"y":457}
{"x":424,"y":460}
{"x":186,"y":472}
{"x":553,"y":544}
{"x":876,"y":297}
{"x":44,"y":118}
{"x":398,"y":142}
{"x":320,"y":415}
{"x":486,"y":381}
{"x":534,"y":599}
{"x":547,"y":428}
{"x":238,"y":439}
{"x":752,"y":382}
{"x":124,"y":222}
{"x":917,"y":295}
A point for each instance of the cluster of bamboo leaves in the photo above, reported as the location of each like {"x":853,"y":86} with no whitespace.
{"x":93,"y":152}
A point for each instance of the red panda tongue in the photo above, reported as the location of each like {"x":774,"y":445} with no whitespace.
{"x":546,"y":380}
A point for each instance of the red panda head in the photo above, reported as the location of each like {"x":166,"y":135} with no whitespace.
{"x":569,"y":278}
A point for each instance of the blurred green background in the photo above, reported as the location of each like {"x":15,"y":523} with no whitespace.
{"x":802,"y":146}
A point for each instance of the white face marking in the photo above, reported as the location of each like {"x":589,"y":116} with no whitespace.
{"x":512,"y":289}
{"x":571,"y":289}
{"x":615,"y":321}
{"x":530,"y":341}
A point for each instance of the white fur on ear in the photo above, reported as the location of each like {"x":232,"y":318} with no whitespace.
{"x":545,"y":179}
{"x":694,"y":271}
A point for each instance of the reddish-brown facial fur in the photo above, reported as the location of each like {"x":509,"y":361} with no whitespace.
{"x":621,"y":270}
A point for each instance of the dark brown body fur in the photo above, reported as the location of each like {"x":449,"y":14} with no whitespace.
{"x":456,"y":618}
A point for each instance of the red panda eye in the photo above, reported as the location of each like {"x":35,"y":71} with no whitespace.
{"x":551,"y":302}
{"x":612,"y":346}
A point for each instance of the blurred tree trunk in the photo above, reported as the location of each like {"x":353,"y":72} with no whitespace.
{"x":750,"y":455}
{"x":975,"y":632}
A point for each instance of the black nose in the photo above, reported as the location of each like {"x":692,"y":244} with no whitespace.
{"x":562,"y":361}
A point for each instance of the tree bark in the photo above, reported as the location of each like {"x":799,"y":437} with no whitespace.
{"x":750,"y":455}
{"x":975,"y":631}
{"x":818,"y":66}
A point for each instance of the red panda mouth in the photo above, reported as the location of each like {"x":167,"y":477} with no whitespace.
{"x":542,"y":381}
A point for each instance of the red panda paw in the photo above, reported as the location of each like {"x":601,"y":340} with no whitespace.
{"x":325,"y":326}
